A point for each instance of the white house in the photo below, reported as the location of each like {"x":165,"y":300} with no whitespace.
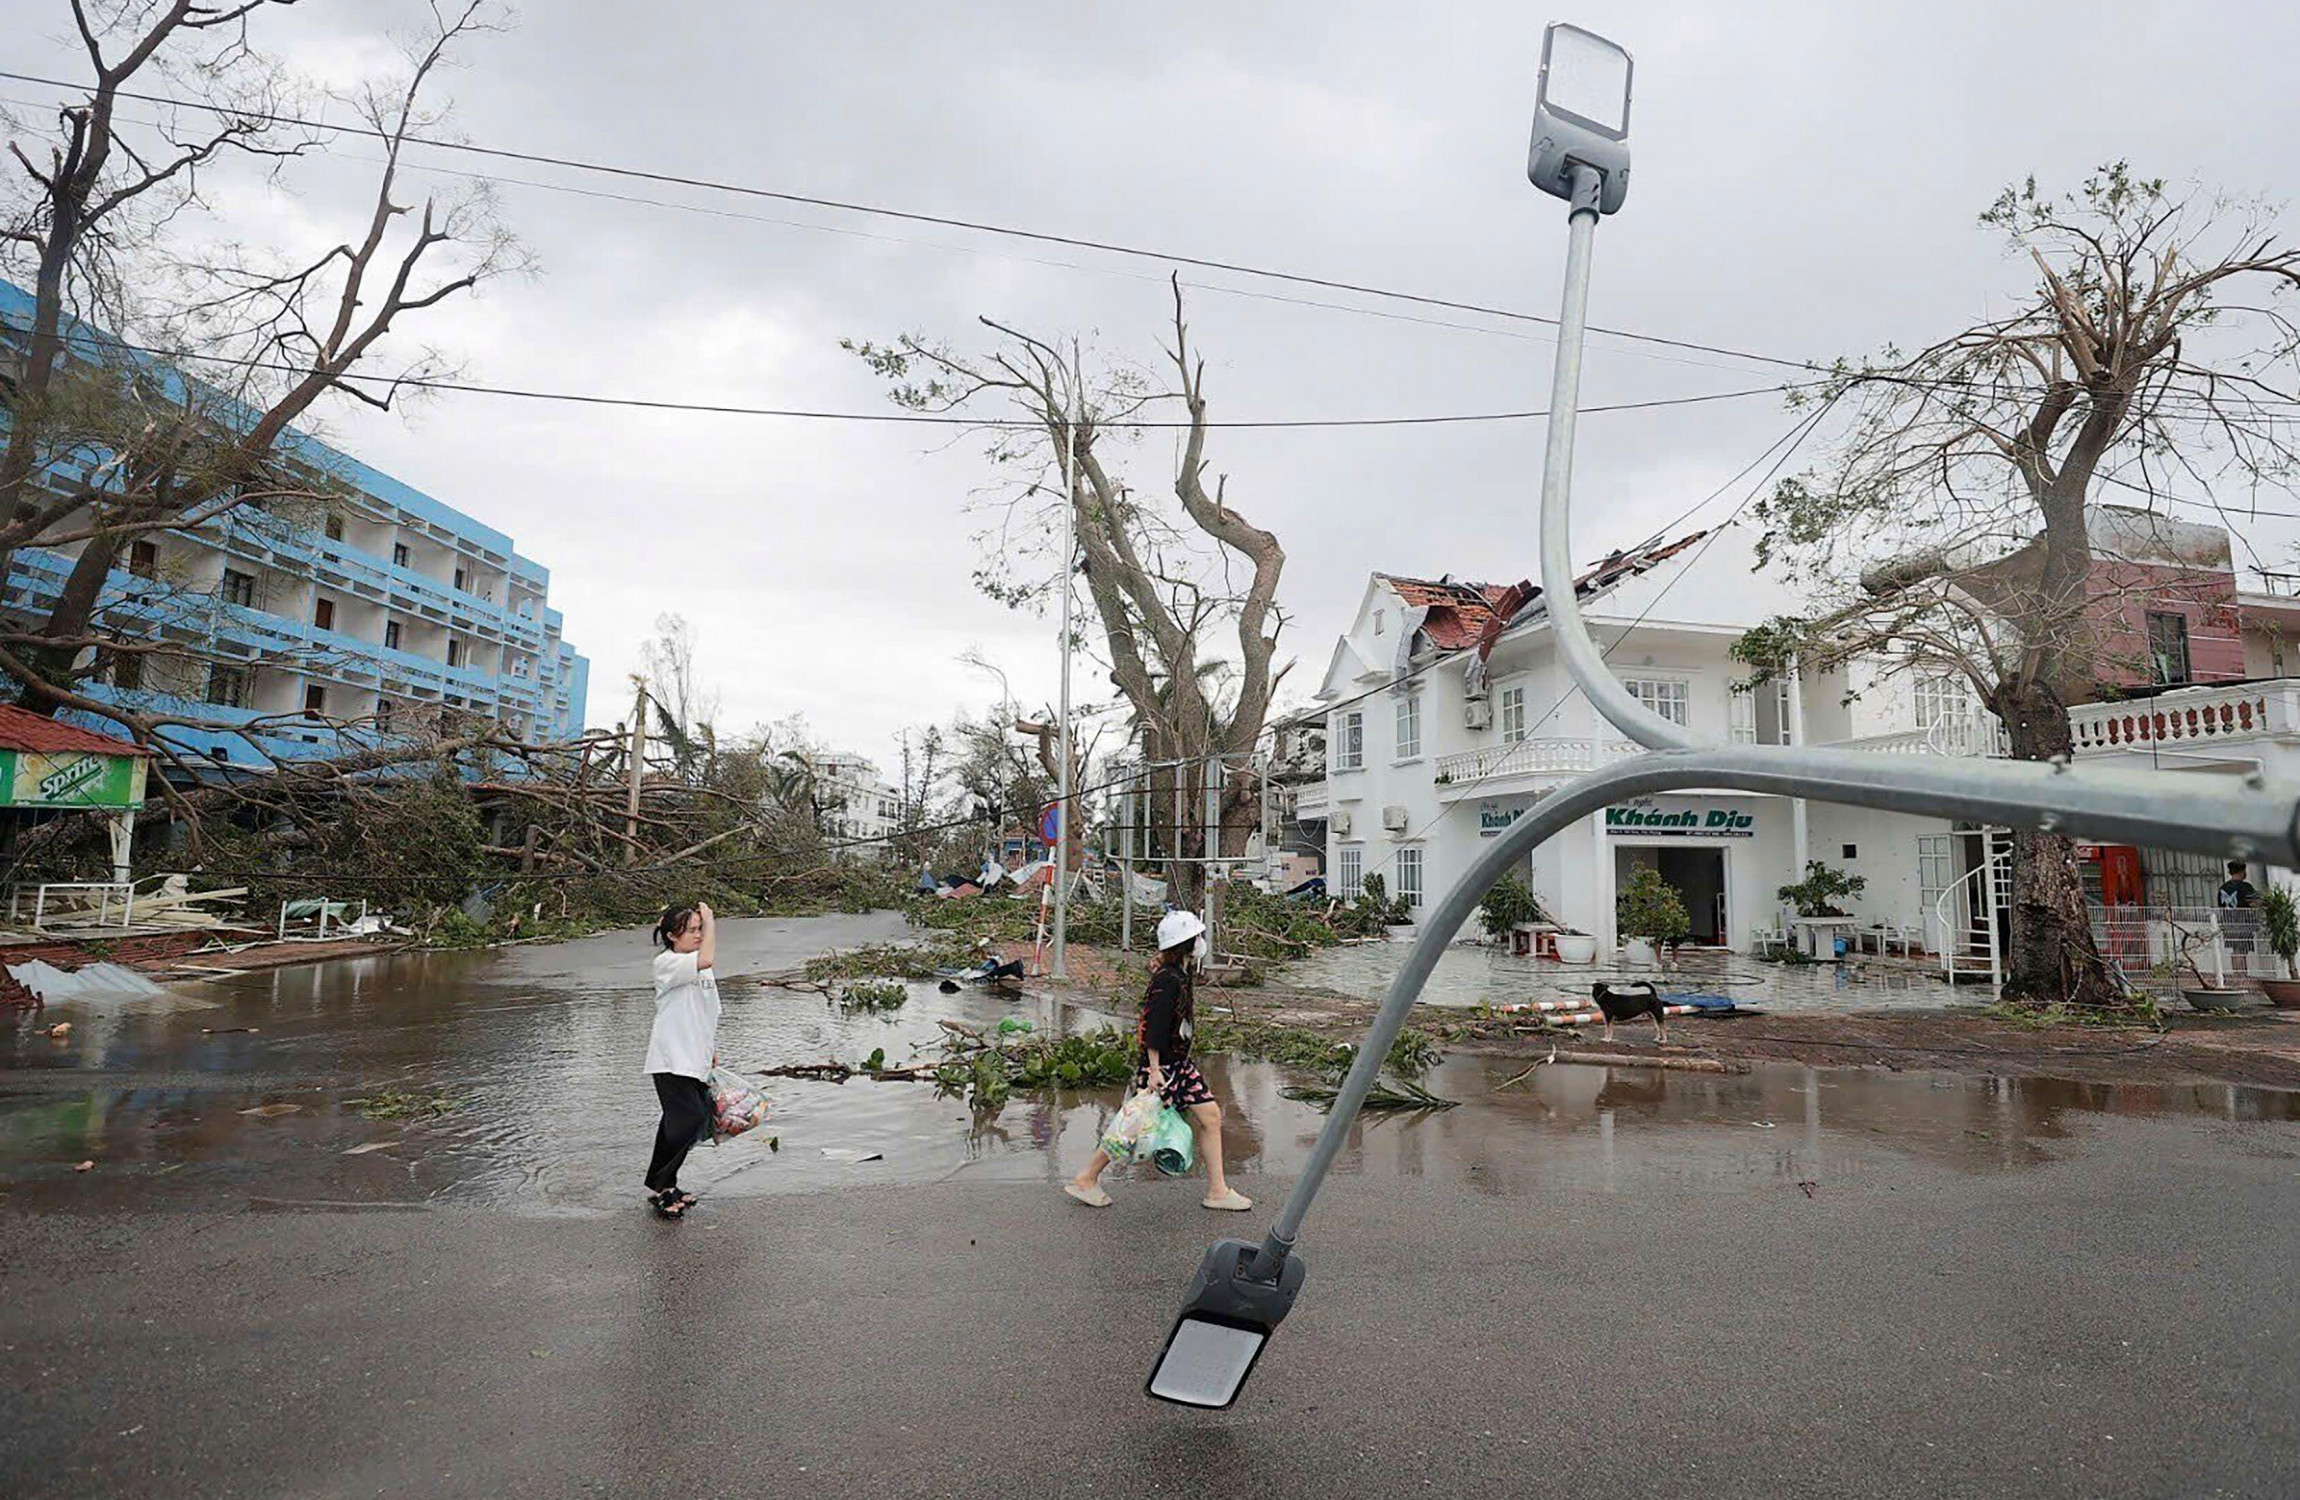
{"x":1449,"y":714}
{"x":856,"y":804}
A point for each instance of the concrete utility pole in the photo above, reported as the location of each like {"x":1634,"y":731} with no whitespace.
{"x":1130,"y":801}
{"x":1061,"y":966}
{"x":638,"y":769}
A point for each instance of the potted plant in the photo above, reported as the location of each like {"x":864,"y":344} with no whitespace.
{"x":2216,"y":994}
{"x":1650,"y":913}
{"x":2280,"y":925}
{"x":1576,"y":947}
{"x":1395,"y":917}
{"x":1822,"y":888}
{"x":1510,"y":905}
{"x":1817,"y":894}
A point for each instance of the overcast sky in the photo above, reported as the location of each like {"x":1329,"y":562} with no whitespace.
{"x":1806,"y":183}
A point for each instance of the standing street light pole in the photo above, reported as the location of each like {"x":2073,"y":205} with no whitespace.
{"x":1060,"y":967}
{"x":974,"y":658}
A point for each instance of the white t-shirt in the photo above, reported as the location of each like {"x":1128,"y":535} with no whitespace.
{"x":686,"y":1017}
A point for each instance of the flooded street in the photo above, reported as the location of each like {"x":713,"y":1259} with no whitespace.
{"x":511,"y":1079}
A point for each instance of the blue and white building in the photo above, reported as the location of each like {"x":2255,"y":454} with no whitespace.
{"x":373,"y":612}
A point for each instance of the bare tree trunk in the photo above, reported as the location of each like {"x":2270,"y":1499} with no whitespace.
{"x":2052,"y":959}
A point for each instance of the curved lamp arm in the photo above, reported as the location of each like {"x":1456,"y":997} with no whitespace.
{"x":1580,"y":653}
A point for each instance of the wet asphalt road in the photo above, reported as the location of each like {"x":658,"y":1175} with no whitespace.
{"x":2118,"y":1321}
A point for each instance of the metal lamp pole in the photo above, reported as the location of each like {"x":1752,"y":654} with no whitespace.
{"x":1242,"y":1290}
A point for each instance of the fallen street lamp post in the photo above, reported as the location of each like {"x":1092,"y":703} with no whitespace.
{"x":1240,"y":1295}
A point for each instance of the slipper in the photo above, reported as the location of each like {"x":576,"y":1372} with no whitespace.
{"x":1092,"y":1197}
{"x":1233,"y":1202}
{"x":668,"y":1206}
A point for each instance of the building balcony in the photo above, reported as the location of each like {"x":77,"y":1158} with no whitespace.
{"x":2235,"y":717}
{"x":1977,"y":735}
{"x":1512,"y":765}
{"x":1312,"y":802}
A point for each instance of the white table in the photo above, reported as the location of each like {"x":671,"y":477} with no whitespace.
{"x":1812,"y":932}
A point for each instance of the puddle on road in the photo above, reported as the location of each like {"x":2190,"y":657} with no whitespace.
{"x":539,"y":1050}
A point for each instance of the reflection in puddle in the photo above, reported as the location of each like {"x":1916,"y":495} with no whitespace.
{"x":538,"y":1050}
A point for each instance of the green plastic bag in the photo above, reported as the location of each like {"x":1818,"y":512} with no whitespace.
{"x":1173,"y":1148}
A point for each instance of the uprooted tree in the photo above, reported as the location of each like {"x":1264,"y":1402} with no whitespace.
{"x":1163,"y":586}
{"x":1953,"y":532}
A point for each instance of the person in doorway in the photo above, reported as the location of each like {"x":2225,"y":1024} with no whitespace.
{"x":2236,"y":892}
{"x":1167,"y":1023}
{"x":682,"y":1047}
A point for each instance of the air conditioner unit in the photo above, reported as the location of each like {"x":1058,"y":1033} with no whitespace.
{"x":1477,"y":713}
{"x":1339,"y":823}
{"x":1394,"y":818}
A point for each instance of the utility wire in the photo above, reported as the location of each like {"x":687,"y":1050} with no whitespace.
{"x":1078,"y":242}
{"x":936,"y":419}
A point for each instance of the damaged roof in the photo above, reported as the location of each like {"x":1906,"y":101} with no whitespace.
{"x":1460,"y":613}
{"x":21,"y":729}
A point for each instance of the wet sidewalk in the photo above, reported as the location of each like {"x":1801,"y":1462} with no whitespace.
{"x":1471,"y":974}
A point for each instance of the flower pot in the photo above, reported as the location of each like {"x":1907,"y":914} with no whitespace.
{"x":1576,"y":948}
{"x":1638,"y":951}
{"x":2215,"y":1000}
{"x":2285,"y":992}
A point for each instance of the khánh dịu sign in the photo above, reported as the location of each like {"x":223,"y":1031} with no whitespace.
{"x":1701,"y":821}
{"x":70,"y":778}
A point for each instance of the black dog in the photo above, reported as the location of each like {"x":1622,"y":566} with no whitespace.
{"x":1626,"y":1002}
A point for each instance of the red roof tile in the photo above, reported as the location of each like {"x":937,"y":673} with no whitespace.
{"x":1458,"y":612}
{"x":21,"y":729}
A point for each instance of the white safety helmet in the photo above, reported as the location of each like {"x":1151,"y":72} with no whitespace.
{"x":1178,"y":927}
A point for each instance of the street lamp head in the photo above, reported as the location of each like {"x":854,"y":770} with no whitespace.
{"x":1581,"y":116}
{"x":1241,"y":1293}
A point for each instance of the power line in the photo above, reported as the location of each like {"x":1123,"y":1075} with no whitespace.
{"x":1076,"y":242}
{"x":936,"y":419}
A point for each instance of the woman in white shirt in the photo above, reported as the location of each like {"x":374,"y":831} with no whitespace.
{"x":683,"y":1046}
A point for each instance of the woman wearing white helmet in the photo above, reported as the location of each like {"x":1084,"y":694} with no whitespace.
{"x":1168,"y":1020}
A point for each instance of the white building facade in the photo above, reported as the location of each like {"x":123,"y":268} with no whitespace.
{"x":856,"y":804}
{"x":1446,"y":723}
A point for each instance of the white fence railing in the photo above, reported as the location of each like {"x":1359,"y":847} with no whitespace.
{"x":2189,"y":717}
{"x":2148,"y":944}
{"x":1962,"y":734}
{"x":1314,"y":800}
{"x":81,"y":903}
{"x":1540,"y":757}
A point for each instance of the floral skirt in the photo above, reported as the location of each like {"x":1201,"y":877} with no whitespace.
{"x":1185,"y":1085}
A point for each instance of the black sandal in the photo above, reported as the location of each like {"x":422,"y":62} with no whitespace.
{"x":671,"y":1204}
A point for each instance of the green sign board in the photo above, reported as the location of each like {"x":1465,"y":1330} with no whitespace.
{"x":1647,"y":818}
{"x":70,"y":778}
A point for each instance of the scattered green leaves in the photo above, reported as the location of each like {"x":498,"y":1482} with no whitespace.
{"x":397,"y":1104}
{"x":873,"y":996}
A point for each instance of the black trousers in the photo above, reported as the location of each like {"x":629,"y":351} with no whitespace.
{"x":686,"y":1115}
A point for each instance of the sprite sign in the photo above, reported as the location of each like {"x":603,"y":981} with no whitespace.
{"x":70,"y":778}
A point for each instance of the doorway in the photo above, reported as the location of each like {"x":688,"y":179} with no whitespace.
{"x":1696,"y":874}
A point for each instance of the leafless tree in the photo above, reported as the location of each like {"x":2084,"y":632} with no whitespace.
{"x":1162,"y":586}
{"x":263,"y":334}
{"x":2152,"y":363}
